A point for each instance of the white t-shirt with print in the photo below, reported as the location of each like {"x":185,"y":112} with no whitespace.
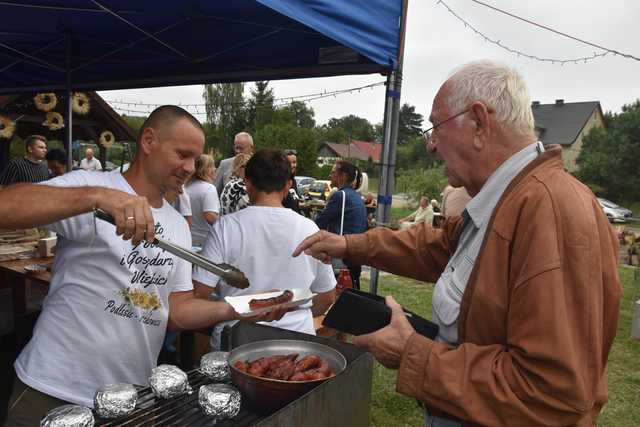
{"x":259,"y":241}
{"x":204,"y":198}
{"x":104,"y":318}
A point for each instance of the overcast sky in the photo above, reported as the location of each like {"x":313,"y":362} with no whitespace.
{"x":437,"y":42}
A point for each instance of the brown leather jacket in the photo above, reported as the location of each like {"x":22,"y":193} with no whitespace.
{"x":539,"y":313}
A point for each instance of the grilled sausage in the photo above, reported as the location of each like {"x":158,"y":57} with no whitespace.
{"x":283,"y":298}
{"x":308,"y":362}
{"x":241,"y":366}
{"x":285,"y":367}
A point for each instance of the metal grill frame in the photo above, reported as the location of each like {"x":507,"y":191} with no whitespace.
{"x":322,"y":406}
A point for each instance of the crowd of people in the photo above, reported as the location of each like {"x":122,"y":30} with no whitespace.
{"x":169,"y":190}
{"x":526,"y":294}
{"x":40,"y":164}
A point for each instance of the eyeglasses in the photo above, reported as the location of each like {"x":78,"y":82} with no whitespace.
{"x":290,"y":152}
{"x":428,"y":134}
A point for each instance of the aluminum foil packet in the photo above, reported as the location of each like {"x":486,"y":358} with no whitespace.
{"x":219,"y":400}
{"x":115,"y":400}
{"x":167,"y":381}
{"x":215,"y":365}
{"x":68,"y":416}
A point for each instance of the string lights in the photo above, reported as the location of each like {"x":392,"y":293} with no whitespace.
{"x":604,"y":51}
{"x":138,"y":107}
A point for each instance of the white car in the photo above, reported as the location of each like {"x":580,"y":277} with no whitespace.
{"x":303,"y":183}
{"x":614,"y":212}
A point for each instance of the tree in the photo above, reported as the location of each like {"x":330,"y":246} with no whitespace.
{"x":288,"y":136}
{"x":413,"y":154}
{"x":419,"y":182}
{"x":378,"y":132}
{"x":347,"y":128}
{"x":608,"y":160}
{"x":409,"y":124}
{"x":297,"y":114}
{"x":135,"y":122}
{"x":226,"y":114}
{"x":260,"y":106}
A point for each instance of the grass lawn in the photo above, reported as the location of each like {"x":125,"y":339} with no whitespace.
{"x":397,"y":213}
{"x":391,"y":409}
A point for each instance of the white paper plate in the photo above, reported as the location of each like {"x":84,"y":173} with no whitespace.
{"x":241,"y":303}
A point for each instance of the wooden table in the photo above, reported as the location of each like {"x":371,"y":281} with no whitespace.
{"x":13,"y":275}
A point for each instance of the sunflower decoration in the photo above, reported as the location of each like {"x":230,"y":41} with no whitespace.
{"x":107,"y":139}
{"x":142,"y":299}
{"x":80,"y":103}
{"x":7,"y":127}
{"x":45,"y":101}
{"x":54,"y":121}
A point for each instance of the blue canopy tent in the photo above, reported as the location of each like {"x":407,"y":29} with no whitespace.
{"x":115,"y":44}
{"x":71,"y":45}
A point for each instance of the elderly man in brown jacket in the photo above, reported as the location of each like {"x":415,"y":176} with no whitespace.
{"x":527,"y":291}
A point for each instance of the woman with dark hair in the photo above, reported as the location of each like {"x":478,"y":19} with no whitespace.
{"x":259,"y":240}
{"x":345,"y":212}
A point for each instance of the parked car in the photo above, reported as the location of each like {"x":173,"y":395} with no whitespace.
{"x":614,"y":212}
{"x":320,"y":189}
{"x":303,"y":183}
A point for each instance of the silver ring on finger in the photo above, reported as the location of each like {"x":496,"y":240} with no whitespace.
{"x":129,"y":218}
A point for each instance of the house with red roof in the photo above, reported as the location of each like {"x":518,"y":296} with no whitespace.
{"x":329,"y":152}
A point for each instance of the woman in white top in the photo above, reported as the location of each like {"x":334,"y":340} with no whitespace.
{"x":205,"y":205}
{"x":234,"y":196}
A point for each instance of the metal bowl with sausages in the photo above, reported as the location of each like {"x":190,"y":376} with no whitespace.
{"x":267,"y":394}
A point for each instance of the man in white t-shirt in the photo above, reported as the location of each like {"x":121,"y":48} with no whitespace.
{"x":259,"y":241}
{"x":110,"y":298}
{"x":90,"y":163}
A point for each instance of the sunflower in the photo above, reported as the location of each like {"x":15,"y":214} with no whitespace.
{"x":80,"y":103}
{"x":107,"y":139}
{"x":7,"y":127}
{"x":45,"y":101}
{"x":142,"y":299}
{"x":54,"y":121}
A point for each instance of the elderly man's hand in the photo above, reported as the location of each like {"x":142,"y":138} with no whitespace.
{"x":388,"y":343}
{"x":323,"y":246}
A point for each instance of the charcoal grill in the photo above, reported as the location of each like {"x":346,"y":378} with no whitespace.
{"x":325,"y":405}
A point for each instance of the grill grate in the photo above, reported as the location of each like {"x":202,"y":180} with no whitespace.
{"x":178,"y":411}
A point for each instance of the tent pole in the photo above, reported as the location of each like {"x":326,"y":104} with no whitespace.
{"x":390,"y":135}
{"x":69,"y":120}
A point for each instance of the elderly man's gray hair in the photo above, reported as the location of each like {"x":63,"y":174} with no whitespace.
{"x":245,"y":135}
{"x":497,"y":86}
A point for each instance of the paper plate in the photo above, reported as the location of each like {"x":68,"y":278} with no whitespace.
{"x":241,"y":303}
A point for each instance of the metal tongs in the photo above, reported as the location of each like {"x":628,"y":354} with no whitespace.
{"x":229,"y":273}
